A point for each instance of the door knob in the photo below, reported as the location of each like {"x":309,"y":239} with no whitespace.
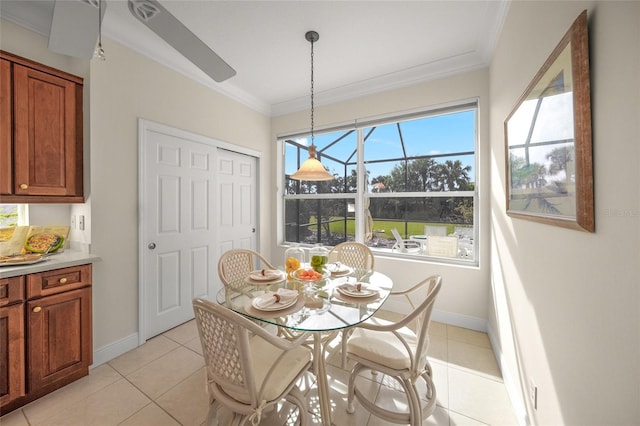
{"x":151,"y":246}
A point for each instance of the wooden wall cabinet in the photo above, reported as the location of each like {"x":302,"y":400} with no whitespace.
{"x":46,"y":336}
{"x":41,"y":138}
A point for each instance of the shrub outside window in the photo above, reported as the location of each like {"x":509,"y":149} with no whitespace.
{"x":404,"y":186}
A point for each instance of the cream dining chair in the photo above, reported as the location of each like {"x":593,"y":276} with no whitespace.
{"x":399,"y":350}
{"x":353,"y":254}
{"x":357,"y":256}
{"x":236,"y":264}
{"x":248,"y":369}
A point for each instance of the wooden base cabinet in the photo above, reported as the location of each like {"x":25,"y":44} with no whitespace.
{"x":58,"y":343}
{"x":12,"y":381}
{"x":47,"y":339}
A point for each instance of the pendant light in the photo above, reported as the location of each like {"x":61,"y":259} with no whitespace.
{"x":99,"y":50}
{"x":312,"y":169}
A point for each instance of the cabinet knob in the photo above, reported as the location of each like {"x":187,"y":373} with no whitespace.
{"x":37,"y":309}
{"x":62,"y":281}
{"x":23,"y":186}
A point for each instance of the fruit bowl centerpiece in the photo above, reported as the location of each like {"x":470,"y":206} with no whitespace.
{"x":309,"y":276}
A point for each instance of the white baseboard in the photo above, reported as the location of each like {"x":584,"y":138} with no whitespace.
{"x":459,"y":320}
{"x":513,"y":389}
{"x":115,"y":349}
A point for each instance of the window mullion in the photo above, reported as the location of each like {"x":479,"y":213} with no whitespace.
{"x":361,"y":187}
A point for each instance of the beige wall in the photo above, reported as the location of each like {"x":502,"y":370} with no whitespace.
{"x":123,"y":88}
{"x":464,"y":297}
{"x":566,"y":303}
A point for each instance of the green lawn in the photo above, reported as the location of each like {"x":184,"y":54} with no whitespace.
{"x":414,"y":228}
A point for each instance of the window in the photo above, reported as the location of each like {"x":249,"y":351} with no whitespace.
{"x":8,"y":215}
{"x":404,"y":186}
{"x":11,"y":215}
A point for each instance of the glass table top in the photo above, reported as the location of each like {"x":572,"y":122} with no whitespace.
{"x":334,"y":304}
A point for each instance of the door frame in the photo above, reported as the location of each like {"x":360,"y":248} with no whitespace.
{"x":143,"y":126}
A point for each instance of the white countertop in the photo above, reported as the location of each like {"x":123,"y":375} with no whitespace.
{"x":55,"y":261}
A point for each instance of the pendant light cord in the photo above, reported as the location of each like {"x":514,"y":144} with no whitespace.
{"x":312,"y":95}
{"x":100,"y":50}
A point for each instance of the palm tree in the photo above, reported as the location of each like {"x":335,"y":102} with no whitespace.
{"x":456,"y":176}
{"x":561,"y":158}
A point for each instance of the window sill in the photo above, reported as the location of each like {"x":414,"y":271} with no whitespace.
{"x":420,"y":257}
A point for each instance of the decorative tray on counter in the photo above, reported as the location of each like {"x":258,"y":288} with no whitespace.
{"x":21,"y":259}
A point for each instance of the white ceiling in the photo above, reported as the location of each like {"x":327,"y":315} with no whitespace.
{"x":365,"y":46}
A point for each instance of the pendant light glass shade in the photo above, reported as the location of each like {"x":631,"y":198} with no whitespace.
{"x":312,"y":169}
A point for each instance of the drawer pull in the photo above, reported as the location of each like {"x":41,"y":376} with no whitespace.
{"x":37,"y":309}
{"x":24,"y":186}
{"x":63,"y":281}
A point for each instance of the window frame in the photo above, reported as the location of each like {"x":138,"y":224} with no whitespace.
{"x":362,"y":194}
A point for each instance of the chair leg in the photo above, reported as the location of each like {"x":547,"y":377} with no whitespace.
{"x":297,"y":398}
{"x":431,"y":395}
{"x":415,"y":412}
{"x":351,"y":390}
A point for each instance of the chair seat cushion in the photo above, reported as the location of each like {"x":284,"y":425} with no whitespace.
{"x":382,"y":347}
{"x":264,"y":356}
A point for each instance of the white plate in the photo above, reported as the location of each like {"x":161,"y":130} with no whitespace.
{"x":276,"y":306}
{"x":366,"y":290}
{"x":339,"y":269}
{"x":271,"y":275}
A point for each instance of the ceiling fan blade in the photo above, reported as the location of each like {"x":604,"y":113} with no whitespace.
{"x":170,"y":29}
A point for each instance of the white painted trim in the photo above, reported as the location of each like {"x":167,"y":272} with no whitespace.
{"x":114,"y":349}
{"x":459,"y":320}
{"x":511,"y":385}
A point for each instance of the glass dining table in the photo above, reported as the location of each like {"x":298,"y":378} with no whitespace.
{"x":323,"y":308}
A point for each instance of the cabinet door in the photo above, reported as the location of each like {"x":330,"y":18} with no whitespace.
{"x":46,"y":147}
{"x":6,"y":155}
{"x":60,"y":341}
{"x":12,"y":368}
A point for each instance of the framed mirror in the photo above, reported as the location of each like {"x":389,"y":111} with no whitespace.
{"x":548,"y":140}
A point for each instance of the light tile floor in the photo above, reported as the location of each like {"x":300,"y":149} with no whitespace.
{"x":162,"y":383}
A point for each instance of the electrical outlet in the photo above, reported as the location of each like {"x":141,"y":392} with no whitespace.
{"x":73,"y":221}
{"x":533,"y":394}
{"x":81,"y":222}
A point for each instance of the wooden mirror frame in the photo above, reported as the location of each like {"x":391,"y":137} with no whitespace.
{"x":530,"y":200}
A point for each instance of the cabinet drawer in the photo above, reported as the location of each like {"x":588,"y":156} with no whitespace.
{"x":58,"y":280}
{"x":11,"y":290}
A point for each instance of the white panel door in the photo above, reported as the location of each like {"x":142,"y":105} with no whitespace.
{"x":237,"y":202}
{"x":178,"y":227}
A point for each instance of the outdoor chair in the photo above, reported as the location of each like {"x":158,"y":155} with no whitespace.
{"x":248,"y":370}
{"x":399,"y":350}
{"x":405,"y":246}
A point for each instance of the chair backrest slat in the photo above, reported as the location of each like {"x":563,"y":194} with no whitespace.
{"x":353,"y":254}
{"x":225,"y":339}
